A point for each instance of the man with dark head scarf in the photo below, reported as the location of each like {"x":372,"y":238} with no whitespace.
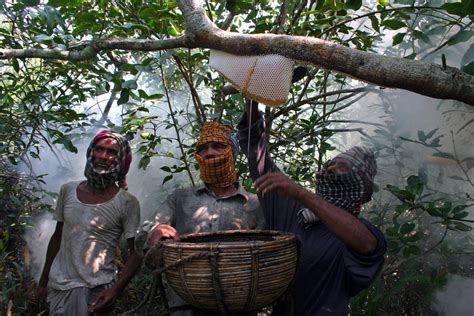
{"x":91,"y":216}
{"x":219,"y":203}
{"x":340,"y":254}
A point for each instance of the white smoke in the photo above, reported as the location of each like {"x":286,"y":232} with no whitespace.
{"x":456,"y":298}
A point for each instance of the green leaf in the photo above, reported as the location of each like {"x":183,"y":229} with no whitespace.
{"x":68,"y":144}
{"x":172,"y":30}
{"x":407,"y":228}
{"x":411,"y":56}
{"x":469,"y":68}
{"x":422,"y":36}
{"x":415,"y":185}
{"x":398,"y":38}
{"x":456,"y":178}
{"x":431,"y":133}
{"x":375,"y":23}
{"x":411,"y":250}
{"x":454,"y":8}
{"x":353,"y":4}
{"x":30,"y":3}
{"x":144,"y":162}
{"x":444,"y":155}
{"x":393,"y":24}
{"x":12,"y":160}
{"x":16,"y":66}
{"x":400,"y":194}
{"x":130,"y":84}
{"x":166,"y":169}
{"x":468,"y":6}
{"x":421,"y":136}
{"x":462,"y":227}
{"x":64,"y":3}
{"x":460,"y":37}
{"x":167,"y":178}
{"x":459,"y":208}
{"x":124,"y":96}
{"x":461,"y":215}
{"x":384,"y":3}
{"x":468,"y":56}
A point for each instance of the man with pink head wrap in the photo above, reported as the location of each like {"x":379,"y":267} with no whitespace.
{"x":92,"y":215}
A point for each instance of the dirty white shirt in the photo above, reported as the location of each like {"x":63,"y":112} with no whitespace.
{"x":89,"y":237}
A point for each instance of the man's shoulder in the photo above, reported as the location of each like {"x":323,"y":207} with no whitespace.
{"x":127,"y":196}
{"x":186,"y":191}
{"x":247,"y":194}
{"x":69,"y":186}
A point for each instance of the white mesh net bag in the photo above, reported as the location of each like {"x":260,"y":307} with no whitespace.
{"x":264,"y":78}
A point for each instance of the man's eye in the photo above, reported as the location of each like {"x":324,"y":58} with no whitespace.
{"x":220,"y":146}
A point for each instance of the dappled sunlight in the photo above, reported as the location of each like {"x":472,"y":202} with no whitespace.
{"x":201,"y":212}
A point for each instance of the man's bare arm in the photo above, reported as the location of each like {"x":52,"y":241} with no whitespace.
{"x":108,"y":296}
{"x":348,"y":228}
{"x":53,"y":248}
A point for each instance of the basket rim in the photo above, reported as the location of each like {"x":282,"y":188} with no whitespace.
{"x":279,"y":236}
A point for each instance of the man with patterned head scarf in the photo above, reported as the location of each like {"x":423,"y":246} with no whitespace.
{"x":220,"y":203}
{"x":340,"y":254}
{"x":91,"y":216}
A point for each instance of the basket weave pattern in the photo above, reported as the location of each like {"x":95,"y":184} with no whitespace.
{"x":242,"y":271}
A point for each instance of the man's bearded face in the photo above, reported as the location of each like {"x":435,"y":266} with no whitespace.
{"x":104,"y":154}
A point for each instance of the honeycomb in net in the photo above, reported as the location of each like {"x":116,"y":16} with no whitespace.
{"x":264,"y":78}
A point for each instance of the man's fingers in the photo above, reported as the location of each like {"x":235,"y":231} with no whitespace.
{"x":267,"y":185}
{"x":268,"y":177}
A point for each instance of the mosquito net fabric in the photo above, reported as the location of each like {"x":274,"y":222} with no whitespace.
{"x":264,"y":78}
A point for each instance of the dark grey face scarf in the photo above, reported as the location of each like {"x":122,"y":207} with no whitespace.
{"x":349,"y":190}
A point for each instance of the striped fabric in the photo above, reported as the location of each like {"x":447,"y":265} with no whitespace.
{"x":362,"y":159}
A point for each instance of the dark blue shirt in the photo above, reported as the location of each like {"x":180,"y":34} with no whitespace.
{"x":329,"y":272}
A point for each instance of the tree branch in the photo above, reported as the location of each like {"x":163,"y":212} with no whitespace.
{"x":417,"y":76}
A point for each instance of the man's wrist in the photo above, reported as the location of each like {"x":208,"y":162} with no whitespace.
{"x":301,"y":193}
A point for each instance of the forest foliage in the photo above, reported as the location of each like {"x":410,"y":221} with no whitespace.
{"x":163,"y":97}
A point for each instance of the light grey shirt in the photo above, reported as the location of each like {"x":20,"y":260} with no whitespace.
{"x":89,"y":237}
{"x":197,"y":209}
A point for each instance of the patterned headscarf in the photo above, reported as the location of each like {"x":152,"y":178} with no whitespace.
{"x":219,"y":171}
{"x":119,"y":168}
{"x":349,"y":190}
{"x":362,"y":159}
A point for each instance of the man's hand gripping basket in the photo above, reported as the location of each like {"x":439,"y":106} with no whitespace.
{"x":231,"y":271}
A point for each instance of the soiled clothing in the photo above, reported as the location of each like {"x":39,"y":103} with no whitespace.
{"x":194,"y":210}
{"x":329,"y":272}
{"x":76,"y":301}
{"x":89,"y":237}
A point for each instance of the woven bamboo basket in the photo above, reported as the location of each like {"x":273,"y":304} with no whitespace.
{"x":231,"y":271}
